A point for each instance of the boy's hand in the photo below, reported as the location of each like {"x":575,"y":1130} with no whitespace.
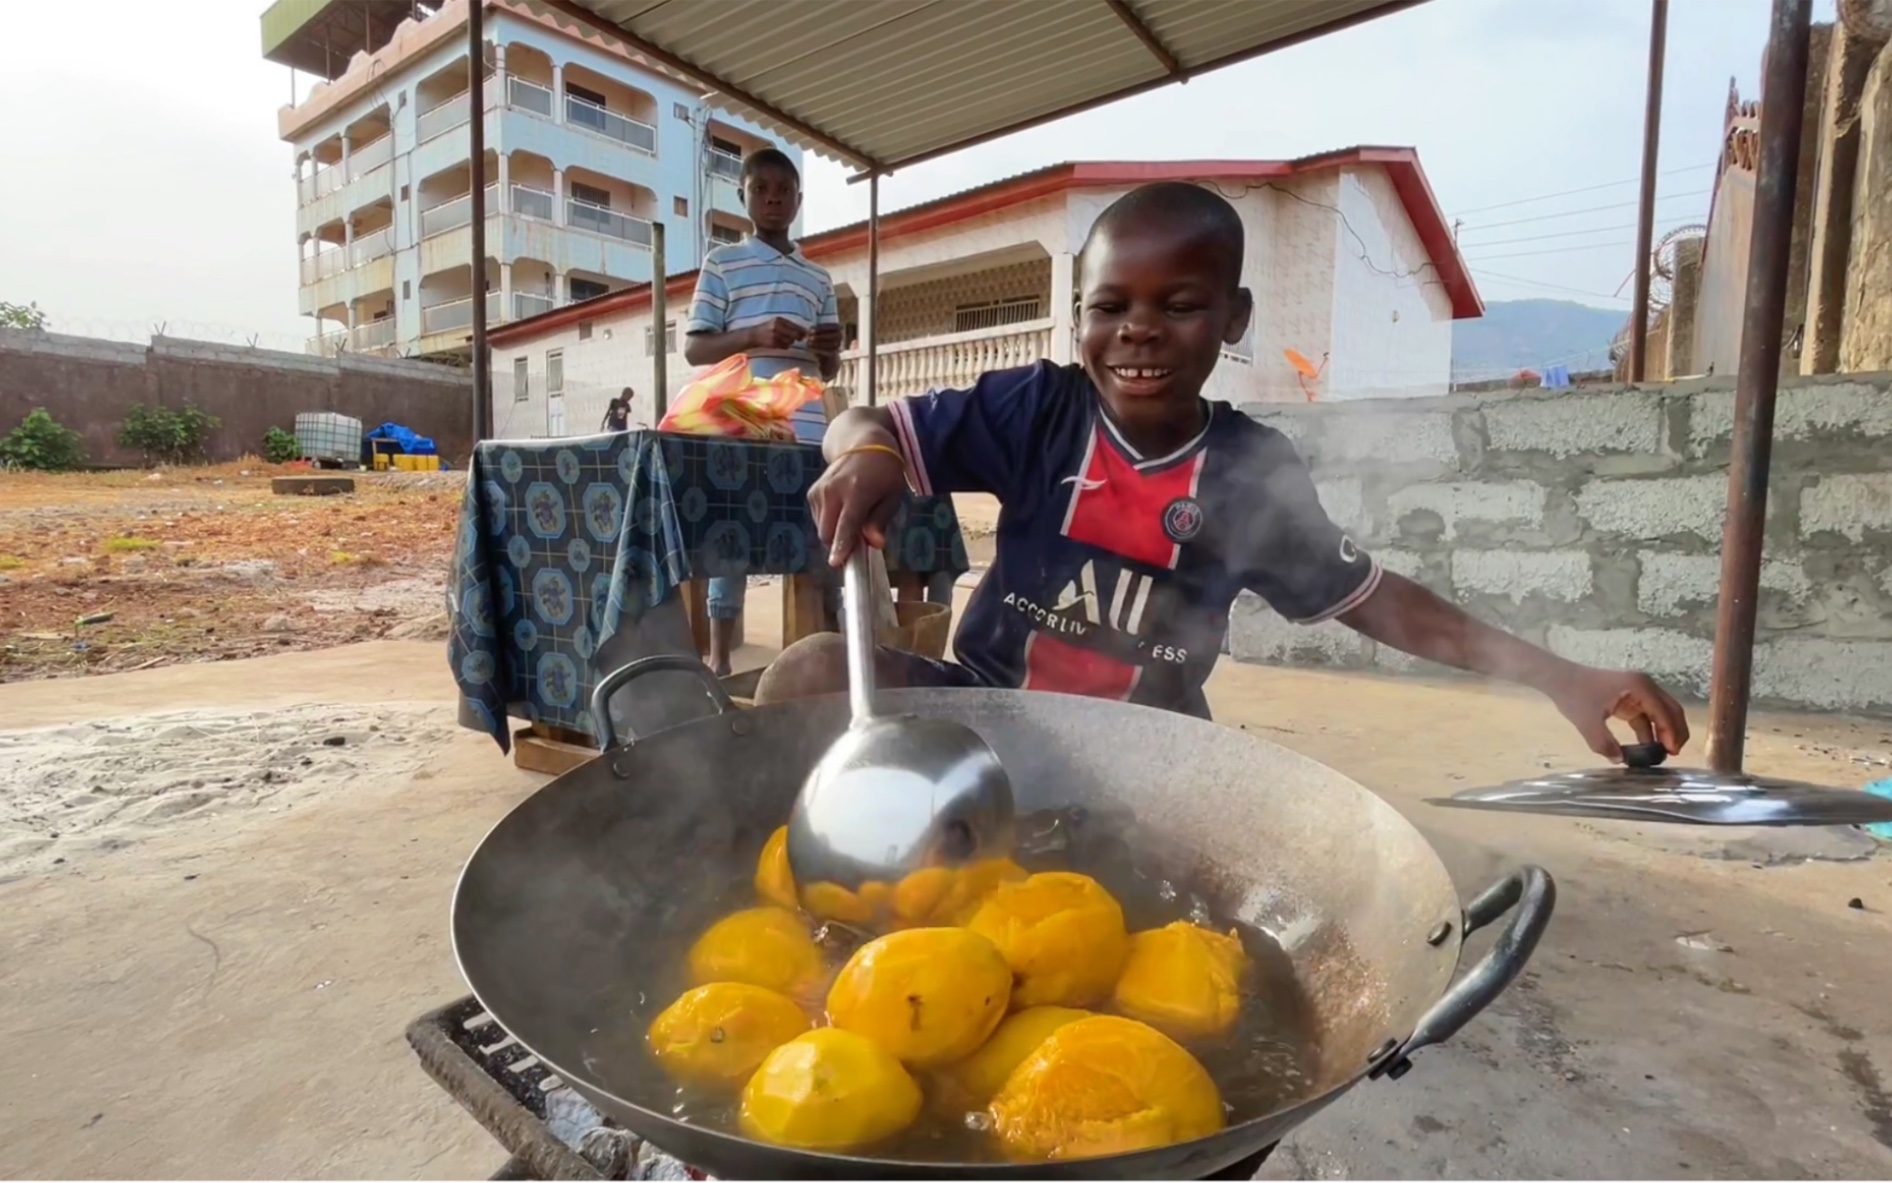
{"x":779,"y":333}
{"x":826,"y":339}
{"x":855,"y":499}
{"x":1590,"y":698}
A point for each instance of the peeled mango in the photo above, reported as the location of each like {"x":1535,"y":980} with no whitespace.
{"x":1183,"y":980}
{"x":928,"y":995}
{"x":716,"y":1035}
{"x":828,"y":1090}
{"x":1062,"y":934}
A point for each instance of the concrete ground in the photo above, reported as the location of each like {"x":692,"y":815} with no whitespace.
{"x":227,"y":997}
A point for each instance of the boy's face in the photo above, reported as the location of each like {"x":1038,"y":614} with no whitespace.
{"x":772,"y":197}
{"x":1158,"y":306}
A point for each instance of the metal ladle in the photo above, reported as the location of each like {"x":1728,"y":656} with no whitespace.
{"x":894,"y":794}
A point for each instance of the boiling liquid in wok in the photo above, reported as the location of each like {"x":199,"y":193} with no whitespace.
{"x":1267,"y":1062}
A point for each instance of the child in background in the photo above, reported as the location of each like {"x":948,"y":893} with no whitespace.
{"x":1134,"y":511}
{"x":761,"y":298}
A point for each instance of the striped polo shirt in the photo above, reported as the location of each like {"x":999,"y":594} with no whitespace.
{"x":747,"y":283}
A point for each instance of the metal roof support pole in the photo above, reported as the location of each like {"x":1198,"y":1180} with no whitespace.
{"x":659,"y":311}
{"x":1645,"y":211}
{"x":1783,"y":97}
{"x":476,"y":202}
{"x":873,"y":290}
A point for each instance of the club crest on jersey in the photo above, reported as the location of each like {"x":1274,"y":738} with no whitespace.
{"x":1182,"y":519}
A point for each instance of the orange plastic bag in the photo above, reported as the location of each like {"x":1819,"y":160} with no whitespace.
{"x":726,"y":399}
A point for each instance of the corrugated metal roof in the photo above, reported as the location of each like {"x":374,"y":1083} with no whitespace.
{"x":885,"y":83}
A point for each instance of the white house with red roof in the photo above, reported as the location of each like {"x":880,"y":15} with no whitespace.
{"x":1350,"y":259}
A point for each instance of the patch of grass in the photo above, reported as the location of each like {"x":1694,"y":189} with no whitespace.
{"x":342,"y":558}
{"x":11,"y":563}
{"x":126,"y":544}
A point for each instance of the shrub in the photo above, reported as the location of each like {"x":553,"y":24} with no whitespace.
{"x":280,"y":447}
{"x":169,"y":436}
{"x":39,"y":443}
{"x":21,"y":316}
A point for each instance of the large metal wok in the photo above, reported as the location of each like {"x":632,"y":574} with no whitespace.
{"x":567,"y":904}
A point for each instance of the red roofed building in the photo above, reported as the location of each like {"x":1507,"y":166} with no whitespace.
{"x":1350,"y":259}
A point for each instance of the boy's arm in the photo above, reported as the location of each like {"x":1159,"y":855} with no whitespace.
{"x":1413,"y":620}
{"x":826,"y":339}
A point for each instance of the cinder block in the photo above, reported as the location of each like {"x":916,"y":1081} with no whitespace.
{"x":1388,"y":437}
{"x":1411,"y":563}
{"x":1657,"y":508}
{"x":1258,"y":633}
{"x":1559,"y":575}
{"x":1516,"y":502}
{"x":1852,"y":504}
{"x":1669,"y":584}
{"x":1343,"y":502}
{"x":1676,"y":659}
{"x":1825,"y":675}
{"x":1861,"y":410}
{"x":1575,"y":425}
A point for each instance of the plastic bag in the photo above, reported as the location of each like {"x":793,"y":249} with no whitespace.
{"x":727,"y":399}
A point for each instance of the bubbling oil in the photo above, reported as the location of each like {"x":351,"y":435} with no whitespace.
{"x":1268,"y":1061}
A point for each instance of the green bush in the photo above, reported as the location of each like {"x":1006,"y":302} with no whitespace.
{"x":172,"y":437}
{"x":39,"y":443}
{"x":280,"y":447}
{"x":21,"y":316}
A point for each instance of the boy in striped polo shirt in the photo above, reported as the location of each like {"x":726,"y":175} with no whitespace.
{"x":761,"y":298}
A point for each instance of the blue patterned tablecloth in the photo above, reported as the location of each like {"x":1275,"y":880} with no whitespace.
{"x":563,"y":542}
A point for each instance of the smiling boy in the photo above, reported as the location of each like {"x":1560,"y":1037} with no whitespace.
{"x":1133,"y":511}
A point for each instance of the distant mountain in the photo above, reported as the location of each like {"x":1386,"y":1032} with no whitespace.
{"x":1530,"y":334}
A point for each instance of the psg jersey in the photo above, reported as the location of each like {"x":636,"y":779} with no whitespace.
{"x":1115,"y":571}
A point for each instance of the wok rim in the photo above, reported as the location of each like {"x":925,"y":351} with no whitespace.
{"x":858,"y":1166}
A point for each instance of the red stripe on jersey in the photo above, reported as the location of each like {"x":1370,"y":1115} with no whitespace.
{"x":1061,"y":667}
{"x":1119,"y":508}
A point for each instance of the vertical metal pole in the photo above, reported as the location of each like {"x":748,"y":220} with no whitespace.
{"x":659,"y":305}
{"x":476,"y":169}
{"x":873,"y":289}
{"x":1645,"y":211}
{"x":1783,"y":98}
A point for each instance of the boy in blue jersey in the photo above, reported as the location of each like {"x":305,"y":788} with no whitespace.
{"x":761,"y":298}
{"x":1133,"y":511}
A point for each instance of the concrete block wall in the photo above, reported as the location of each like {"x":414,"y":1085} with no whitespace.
{"x":1591,"y":523}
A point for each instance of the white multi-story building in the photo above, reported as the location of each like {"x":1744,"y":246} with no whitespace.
{"x":1350,"y":260}
{"x":587,"y":145}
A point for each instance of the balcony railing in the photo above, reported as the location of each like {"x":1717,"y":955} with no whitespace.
{"x":526,"y":304}
{"x":375,"y":336}
{"x":371,"y":246}
{"x":529,"y":96}
{"x":370,"y":156}
{"x":533,"y":203}
{"x":456,"y":314}
{"x":326,"y":179}
{"x":952,"y":361}
{"x":590,"y":116}
{"x":583,"y":215}
{"x":329,"y":344}
{"x":322,"y":264}
{"x":451,"y":114}
{"x":725,"y":165}
{"x":451,"y":215}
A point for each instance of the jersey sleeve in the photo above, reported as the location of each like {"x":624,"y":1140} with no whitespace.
{"x":709,"y":308}
{"x":1296,"y":558}
{"x":975,"y":440}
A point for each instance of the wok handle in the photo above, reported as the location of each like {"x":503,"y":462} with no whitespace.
{"x":618,"y":678}
{"x":1533,"y":893}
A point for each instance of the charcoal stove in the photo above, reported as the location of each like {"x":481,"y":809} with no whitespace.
{"x":548,"y":1129}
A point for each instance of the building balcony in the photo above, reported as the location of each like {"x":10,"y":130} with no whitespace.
{"x":582,"y":215}
{"x":526,"y":304}
{"x":332,"y":344}
{"x":368,"y":157}
{"x":376,"y":244}
{"x":454,"y":112}
{"x":457,"y":314}
{"x":322,"y":265}
{"x":455,"y":213}
{"x":589,"y":116}
{"x":325,"y":180}
{"x":726,"y":165}
{"x":522,"y":95}
{"x":533,"y":203}
{"x":377,"y":336}
{"x":952,"y":361}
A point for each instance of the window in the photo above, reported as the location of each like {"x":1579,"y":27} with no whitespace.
{"x":590,"y":194}
{"x":681,"y":112}
{"x":403,"y":192}
{"x":726,"y":147}
{"x":587,"y":289}
{"x":407,"y":289}
{"x":590,"y":96}
{"x":520,"y":380}
{"x":1017,"y":310}
{"x":584,"y":330}
{"x":670,"y":339}
{"x":681,"y":205}
{"x":555,"y":373}
{"x":722,"y":233}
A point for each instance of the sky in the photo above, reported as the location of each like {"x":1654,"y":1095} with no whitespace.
{"x":146,"y":184}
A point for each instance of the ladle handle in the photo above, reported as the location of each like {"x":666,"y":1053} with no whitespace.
{"x":857,"y":625}
{"x":1533,"y":894}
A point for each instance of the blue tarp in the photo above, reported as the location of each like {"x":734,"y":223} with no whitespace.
{"x":405,"y":439}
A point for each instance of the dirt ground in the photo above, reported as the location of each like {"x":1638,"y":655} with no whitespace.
{"x":221,"y":991}
{"x":205,"y":564}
